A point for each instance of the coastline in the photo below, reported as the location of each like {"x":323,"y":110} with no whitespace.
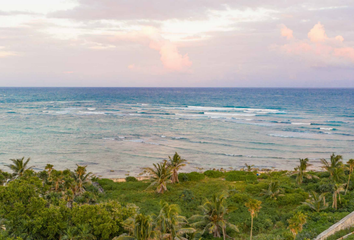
{"x":143,"y":178}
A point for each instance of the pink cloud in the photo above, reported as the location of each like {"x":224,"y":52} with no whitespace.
{"x":317,"y":33}
{"x":319,"y":48}
{"x":286,"y":32}
{"x":170,"y":57}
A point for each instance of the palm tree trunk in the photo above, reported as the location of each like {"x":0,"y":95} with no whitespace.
{"x":176,"y":180}
{"x":251,"y":226}
{"x":223,"y":232}
{"x":347,"y":184}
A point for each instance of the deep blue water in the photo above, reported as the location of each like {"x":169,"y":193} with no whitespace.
{"x":124,"y":129}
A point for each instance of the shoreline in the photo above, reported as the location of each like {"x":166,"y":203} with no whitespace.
{"x":143,"y":178}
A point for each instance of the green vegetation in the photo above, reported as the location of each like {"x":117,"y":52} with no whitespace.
{"x":54,"y":204}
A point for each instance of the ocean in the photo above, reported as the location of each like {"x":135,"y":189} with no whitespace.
{"x":117,"y":131}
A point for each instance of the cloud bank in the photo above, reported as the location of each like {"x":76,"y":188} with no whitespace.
{"x":319,"y":49}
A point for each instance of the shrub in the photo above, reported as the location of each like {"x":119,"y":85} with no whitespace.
{"x":131,"y":179}
{"x":236,"y":176}
{"x":292,"y":198}
{"x":241,"y":176}
{"x":193,"y":176}
{"x":240,"y":198}
{"x":256,"y":188}
{"x":213,"y":174}
{"x":251,"y":178}
{"x":187,"y":195}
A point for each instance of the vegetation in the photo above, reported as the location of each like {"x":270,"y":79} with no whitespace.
{"x":296,"y":223}
{"x":216,"y":204}
{"x":176,"y":163}
{"x":254,"y":206}
{"x":213,"y":216}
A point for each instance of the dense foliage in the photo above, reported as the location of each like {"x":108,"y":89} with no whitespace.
{"x":53,"y":204}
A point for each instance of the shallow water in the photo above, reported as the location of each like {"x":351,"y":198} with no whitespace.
{"x":124,"y":129}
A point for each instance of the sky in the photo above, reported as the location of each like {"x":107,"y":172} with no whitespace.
{"x":177,"y":43}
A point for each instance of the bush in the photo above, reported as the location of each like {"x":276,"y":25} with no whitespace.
{"x":292,"y":198}
{"x":193,"y":176}
{"x":256,"y":189}
{"x":235,"y":176}
{"x":131,"y":179}
{"x":213,"y":174}
{"x":240,"y":198}
{"x":240,"y":176}
{"x":187,"y":195}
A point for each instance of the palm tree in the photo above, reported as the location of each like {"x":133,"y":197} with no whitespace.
{"x":57,"y":178}
{"x":19,"y":166}
{"x":296,"y":223}
{"x":213,"y":216}
{"x":334,"y":167}
{"x":69,"y":198}
{"x":301,"y":171}
{"x":80,"y":176}
{"x":317,"y":202}
{"x":338,"y":188}
{"x":249,"y":167}
{"x":253,"y":206}
{"x":140,"y":227}
{"x":160,"y":175}
{"x":176,"y":163}
{"x":169,"y":223}
{"x":49,"y":168}
{"x":351,"y":169}
{"x":273,"y":191}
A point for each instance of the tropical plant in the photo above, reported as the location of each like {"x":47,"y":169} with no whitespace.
{"x":49,"y":168}
{"x":176,"y":163}
{"x":301,"y":171}
{"x":249,"y":167}
{"x":57,"y":179}
{"x":296,"y":222}
{"x":140,"y":227}
{"x":213,"y":216}
{"x":317,"y":202}
{"x":80,"y":176}
{"x":254,"y":206}
{"x":160,"y":175}
{"x":273,"y":191}
{"x":19,"y":166}
{"x":351,"y":169}
{"x":338,"y":188}
{"x":334,"y":167}
{"x":169,"y":223}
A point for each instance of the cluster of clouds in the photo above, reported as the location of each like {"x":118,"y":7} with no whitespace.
{"x":318,"y":48}
{"x":216,"y":43}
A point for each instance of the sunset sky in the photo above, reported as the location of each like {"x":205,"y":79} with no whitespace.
{"x":177,"y":43}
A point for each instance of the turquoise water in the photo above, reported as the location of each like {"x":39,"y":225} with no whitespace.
{"x":124,"y":129}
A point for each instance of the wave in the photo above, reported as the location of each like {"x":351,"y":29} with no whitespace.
{"x":91,"y":109}
{"x":112,"y":139}
{"x":326,"y":124}
{"x":91,"y":113}
{"x":249,"y":156}
{"x":300,"y":123}
{"x":328,"y":129}
{"x":228,"y":114}
{"x":279,"y":135}
{"x":227,"y":109}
